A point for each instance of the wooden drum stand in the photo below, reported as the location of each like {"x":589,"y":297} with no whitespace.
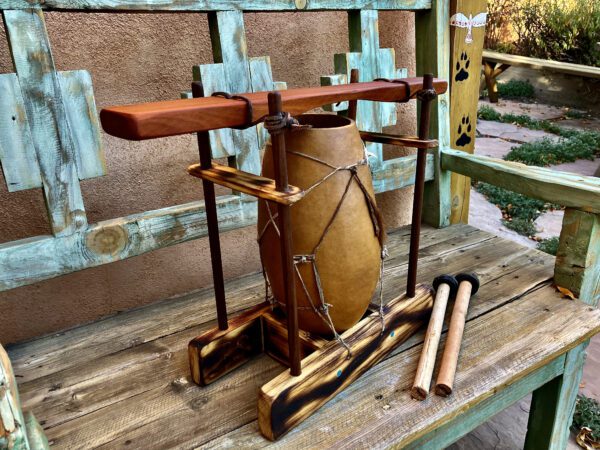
{"x":318,"y":368}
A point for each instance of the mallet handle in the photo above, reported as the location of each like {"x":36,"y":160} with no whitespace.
{"x":445,"y":380}
{"x":422,"y":382}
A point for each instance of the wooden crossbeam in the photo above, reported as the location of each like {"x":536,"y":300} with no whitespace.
{"x":170,"y":118}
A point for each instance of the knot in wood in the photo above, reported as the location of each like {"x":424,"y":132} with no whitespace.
{"x":109,"y":240}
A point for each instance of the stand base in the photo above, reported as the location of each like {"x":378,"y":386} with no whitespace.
{"x":327,"y":368}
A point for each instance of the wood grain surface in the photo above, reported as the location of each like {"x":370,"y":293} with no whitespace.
{"x":170,"y":118}
{"x":121,"y":379}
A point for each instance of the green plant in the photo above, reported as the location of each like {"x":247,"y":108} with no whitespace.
{"x":549,"y":245}
{"x":563,"y":30}
{"x":518,"y":212}
{"x":573,"y":145}
{"x":545,"y":152}
{"x":516,"y":89}
{"x":587,"y":414}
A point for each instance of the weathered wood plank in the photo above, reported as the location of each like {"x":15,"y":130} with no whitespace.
{"x":542,"y":64}
{"x":80,"y":107}
{"x":500,"y":348}
{"x":287,"y":400}
{"x":215,"y":5}
{"x":577,"y":269}
{"x":60,"y":395}
{"x":433,"y":56}
{"x":400,"y":172}
{"x":50,"y":131}
{"x":462,"y":424}
{"x":13,"y":433}
{"x":553,"y":405}
{"x":30,"y":260}
{"x":578,"y":257}
{"x":17,"y":153}
{"x":465,"y":80}
{"x":545,"y":184}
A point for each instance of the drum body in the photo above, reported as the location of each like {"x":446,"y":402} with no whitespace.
{"x":336,"y":247}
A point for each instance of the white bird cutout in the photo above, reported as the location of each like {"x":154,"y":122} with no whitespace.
{"x":461,"y":21}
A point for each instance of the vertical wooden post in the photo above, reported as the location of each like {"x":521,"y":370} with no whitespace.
{"x":465,"y":70}
{"x":12,"y":424}
{"x":50,"y":131}
{"x":210,"y":202}
{"x":577,"y":269}
{"x":426,"y":97}
{"x":287,"y":263}
{"x":433,"y":56}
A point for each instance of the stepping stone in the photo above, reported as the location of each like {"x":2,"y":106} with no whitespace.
{"x":580,"y":167}
{"x":591,"y":124}
{"x":487,"y":217}
{"x":510,"y":132}
{"x":549,"y":224}
{"x":492,"y":147}
{"x":536,"y":111}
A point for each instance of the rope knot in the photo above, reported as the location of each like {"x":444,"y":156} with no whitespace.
{"x":277,"y":122}
{"x":426,"y":94}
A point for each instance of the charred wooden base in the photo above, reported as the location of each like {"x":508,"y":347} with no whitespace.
{"x":287,"y":400}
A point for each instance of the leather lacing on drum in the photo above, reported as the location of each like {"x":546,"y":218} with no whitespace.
{"x":321,"y":308}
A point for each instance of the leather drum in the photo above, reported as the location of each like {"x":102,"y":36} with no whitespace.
{"x":336,"y":228}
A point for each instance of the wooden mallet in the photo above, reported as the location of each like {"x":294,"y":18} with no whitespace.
{"x":468,"y":284}
{"x":446,"y":287}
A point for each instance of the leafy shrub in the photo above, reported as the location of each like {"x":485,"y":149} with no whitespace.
{"x":587,"y":414}
{"x":549,"y":246}
{"x":516,"y":89}
{"x":563,"y":30}
{"x":545,"y":152}
{"x":518,"y":212}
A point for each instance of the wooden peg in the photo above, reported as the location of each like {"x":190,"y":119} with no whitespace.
{"x":446,"y":287}
{"x":468,"y":285}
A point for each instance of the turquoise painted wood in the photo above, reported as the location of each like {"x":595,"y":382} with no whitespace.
{"x":567,"y":189}
{"x":464,"y":423}
{"x":372,"y":62}
{"x":553,"y":405}
{"x":578,"y":256}
{"x":32,"y":260}
{"x":17,"y":150}
{"x":50,"y":131}
{"x":234,"y":72}
{"x":433,"y":56}
{"x":17,"y":154}
{"x":13,"y":433}
{"x":215,"y":5}
{"x":82,"y":117}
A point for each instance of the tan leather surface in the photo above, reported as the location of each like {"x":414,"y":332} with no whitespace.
{"x":348,"y":259}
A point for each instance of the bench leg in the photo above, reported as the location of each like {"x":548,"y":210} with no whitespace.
{"x":491,"y":72}
{"x":553,"y":405}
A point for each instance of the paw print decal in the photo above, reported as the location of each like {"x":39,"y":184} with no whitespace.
{"x":464,"y":130}
{"x":462,"y":67}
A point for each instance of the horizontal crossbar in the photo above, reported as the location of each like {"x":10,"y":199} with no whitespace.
{"x":31,"y":260}
{"x":566,"y":189}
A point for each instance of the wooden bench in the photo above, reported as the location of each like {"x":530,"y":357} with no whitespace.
{"x":124,"y":381}
{"x":495,"y":63}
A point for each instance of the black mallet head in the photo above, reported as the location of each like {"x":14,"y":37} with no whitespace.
{"x":471,"y":278}
{"x":446,"y":279}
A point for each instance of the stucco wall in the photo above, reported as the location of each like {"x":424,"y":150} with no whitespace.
{"x":146,"y":57}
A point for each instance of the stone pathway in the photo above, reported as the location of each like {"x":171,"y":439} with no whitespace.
{"x":507,"y":429}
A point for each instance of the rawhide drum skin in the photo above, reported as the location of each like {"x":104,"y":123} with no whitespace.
{"x":337,"y":232}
